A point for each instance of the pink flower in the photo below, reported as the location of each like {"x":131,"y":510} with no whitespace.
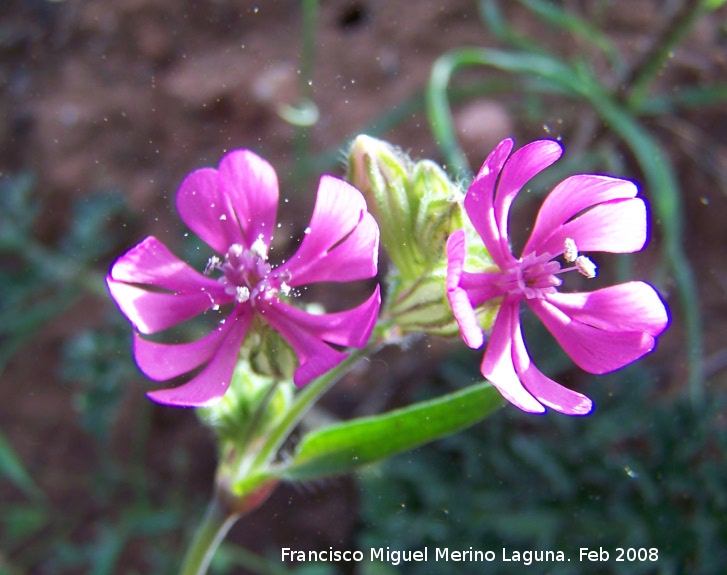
{"x":602,"y":330}
{"x":233,"y":210}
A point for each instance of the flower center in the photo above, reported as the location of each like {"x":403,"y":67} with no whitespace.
{"x":536,"y":276}
{"x":247,"y":275}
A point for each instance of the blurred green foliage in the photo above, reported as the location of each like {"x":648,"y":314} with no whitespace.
{"x":38,"y":282}
{"x":645,"y":471}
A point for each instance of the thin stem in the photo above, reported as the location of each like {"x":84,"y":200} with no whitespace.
{"x":251,"y":431}
{"x":309,"y":19}
{"x":219,"y":518}
{"x":303,"y":402}
{"x":210,"y":533}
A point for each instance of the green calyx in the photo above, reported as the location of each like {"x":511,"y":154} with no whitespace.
{"x":417,"y":207}
{"x":253,"y":404}
{"x":415,"y":203}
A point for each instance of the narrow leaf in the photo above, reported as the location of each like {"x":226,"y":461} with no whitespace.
{"x":11,"y":468}
{"x":343,"y":447}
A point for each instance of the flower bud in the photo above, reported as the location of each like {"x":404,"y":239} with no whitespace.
{"x":421,"y":306}
{"x":383,"y":173}
{"x":417,"y":207}
{"x":439,"y":210}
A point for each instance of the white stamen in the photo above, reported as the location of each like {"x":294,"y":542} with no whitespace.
{"x":212,"y":264}
{"x":570,"y":251}
{"x":259,"y":248}
{"x":235,"y":250}
{"x":586,"y":267}
{"x":285,"y":288}
{"x":242,"y":294}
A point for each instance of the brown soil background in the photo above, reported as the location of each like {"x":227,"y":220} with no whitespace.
{"x":134,"y":94}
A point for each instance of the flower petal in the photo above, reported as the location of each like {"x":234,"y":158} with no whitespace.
{"x":482,"y":287}
{"x":151,"y":312}
{"x":206,"y":210}
{"x":307,"y":334}
{"x":314,"y":355}
{"x":548,"y":392}
{"x":252,"y":186}
{"x":591,"y":348}
{"x":342,"y":241}
{"x":350,"y":328}
{"x":519,"y":169}
{"x":212,"y":382}
{"x":631,"y":306}
{"x":161,"y":361}
{"x":498,"y":366}
{"x":235,"y":204}
{"x":479,"y":202}
{"x":571,"y":196}
{"x":151,"y":265}
{"x":617,"y":227}
{"x":462,"y":308}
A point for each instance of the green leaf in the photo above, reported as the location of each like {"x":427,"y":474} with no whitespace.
{"x":11,"y":468}
{"x":343,"y":447}
{"x":563,"y":18}
{"x":21,"y":522}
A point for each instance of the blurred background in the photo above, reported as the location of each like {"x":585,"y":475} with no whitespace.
{"x":107,"y":106}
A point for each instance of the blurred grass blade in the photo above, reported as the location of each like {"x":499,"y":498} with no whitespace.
{"x":663,"y":190}
{"x":20,"y":522}
{"x":651,"y":67}
{"x":12,"y":469}
{"x":438,"y":108}
{"x":346,"y":446}
{"x":24,"y":325}
{"x":497,"y":24}
{"x":559,"y":17}
{"x":684,"y":97}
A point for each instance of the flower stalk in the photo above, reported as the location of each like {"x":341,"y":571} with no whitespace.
{"x":210,"y":533}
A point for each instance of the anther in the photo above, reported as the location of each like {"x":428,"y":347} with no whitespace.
{"x":259,"y":248}
{"x":242,"y":294}
{"x":586,"y":267}
{"x":570,"y":250}
{"x":212,"y":264}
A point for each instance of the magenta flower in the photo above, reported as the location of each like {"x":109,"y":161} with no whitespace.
{"x":602,"y":330}
{"x":233,"y":209}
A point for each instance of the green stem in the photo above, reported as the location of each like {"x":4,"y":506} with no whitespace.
{"x":219,"y":517}
{"x":309,"y":17}
{"x":210,"y":533}
{"x":241,"y":453}
{"x":303,"y":401}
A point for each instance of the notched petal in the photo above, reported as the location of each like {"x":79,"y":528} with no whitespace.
{"x":462,"y":308}
{"x":343,"y":241}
